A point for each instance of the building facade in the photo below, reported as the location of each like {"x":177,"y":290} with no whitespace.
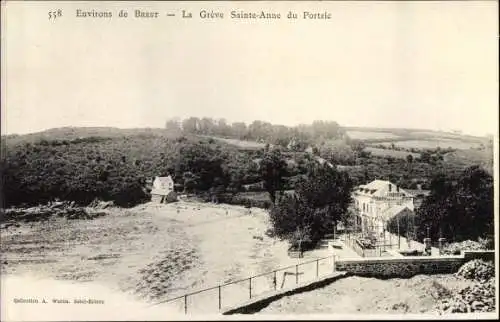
{"x":163,"y":190}
{"x":379,"y":201}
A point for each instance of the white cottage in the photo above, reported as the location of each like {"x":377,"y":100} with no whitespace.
{"x":163,"y":190}
{"x":379,"y":201}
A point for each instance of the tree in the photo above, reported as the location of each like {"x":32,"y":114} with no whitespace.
{"x":425,"y":157}
{"x":300,"y":236}
{"x":191,"y":181}
{"x":328,"y":192}
{"x":207,"y":126}
{"x":190,"y":125}
{"x":239,"y":129}
{"x":357,"y":146}
{"x":286,"y":217}
{"x":273,"y":169}
{"x":236,"y":181}
{"x":173,"y":125}
{"x":458,"y":209}
{"x":223,"y":129}
{"x":320,"y":201}
{"x":217,"y":189}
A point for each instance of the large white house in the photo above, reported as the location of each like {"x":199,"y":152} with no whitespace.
{"x":379,"y":201}
{"x":163,"y":190}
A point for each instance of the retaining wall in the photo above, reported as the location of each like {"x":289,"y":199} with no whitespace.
{"x":410,"y":265}
{"x":479,"y":254}
{"x":400,"y":266}
{"x":259,"y":302}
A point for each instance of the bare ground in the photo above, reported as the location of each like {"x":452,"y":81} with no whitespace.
{"x":360,"y":295}
{"x":151,"y":252}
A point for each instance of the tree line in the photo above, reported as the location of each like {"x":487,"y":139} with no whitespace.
{"x":298,"y":137}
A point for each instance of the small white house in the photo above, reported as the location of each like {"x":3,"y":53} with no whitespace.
{"x":163,"y":190}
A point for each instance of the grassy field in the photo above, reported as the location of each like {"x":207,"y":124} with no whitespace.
{"x":433,"y":144}
{"x":393,"y":153}
{"x":367,"y":135}
{"x":413,"y":138}
{"x":470,"y":157}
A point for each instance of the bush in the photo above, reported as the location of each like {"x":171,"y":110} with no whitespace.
{"x":244,"y":201}
{"x":457,"y":248}
{"x":130,"y":195}
{"x":478,"y":270}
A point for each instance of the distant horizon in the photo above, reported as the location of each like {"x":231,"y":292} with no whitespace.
{"x":452,"y":131}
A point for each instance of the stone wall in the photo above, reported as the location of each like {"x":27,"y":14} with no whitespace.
{"x":479,"y":254}
{"x":409,"y":266}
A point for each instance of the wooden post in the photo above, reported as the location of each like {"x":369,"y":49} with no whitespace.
{"x":275,"y":280}
{"x":220,"y":300}
{"x":317,"y":267}
{"x":250,"y":287}
{"x":297,"y":274}
{"x":185,"y":304}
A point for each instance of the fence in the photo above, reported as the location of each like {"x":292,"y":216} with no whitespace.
{"x":379,"y":245}
{"x":213,"y":299}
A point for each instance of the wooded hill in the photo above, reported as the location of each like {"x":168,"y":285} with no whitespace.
{"x":82,"y":164}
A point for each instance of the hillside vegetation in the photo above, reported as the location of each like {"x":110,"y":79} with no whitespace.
{"x":210,"y":157}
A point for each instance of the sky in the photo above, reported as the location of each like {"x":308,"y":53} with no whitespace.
{"x":431,"y":65}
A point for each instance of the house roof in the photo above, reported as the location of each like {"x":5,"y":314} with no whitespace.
{"x":393,"y":212}
{"x":164,"y":180}
{"x":380,"y":188}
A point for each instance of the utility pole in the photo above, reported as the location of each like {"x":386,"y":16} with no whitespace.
{"x":399,"y":237}
{"x":383,"y":223}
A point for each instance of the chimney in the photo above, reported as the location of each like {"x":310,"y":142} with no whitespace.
{"x":390,"y":187}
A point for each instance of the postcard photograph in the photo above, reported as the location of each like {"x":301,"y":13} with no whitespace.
{"x":225,"y":160}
